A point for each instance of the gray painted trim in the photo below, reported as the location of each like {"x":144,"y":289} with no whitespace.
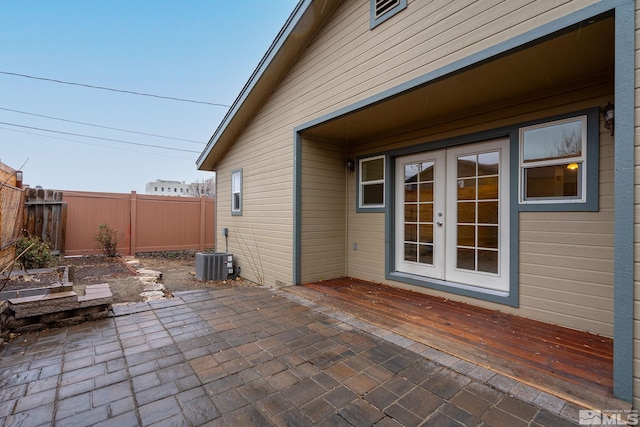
{"x":373,"y":22}
{"x":624,"y":201}
{"x":297,"y":208}
{"x":592,"y":203}
{"x":238,"y":212}
{"x":624,"y":155}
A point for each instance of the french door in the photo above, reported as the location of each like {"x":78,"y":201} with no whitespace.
{"x":452,"y":215}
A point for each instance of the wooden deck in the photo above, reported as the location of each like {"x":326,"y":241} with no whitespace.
{"x":574,"y":365}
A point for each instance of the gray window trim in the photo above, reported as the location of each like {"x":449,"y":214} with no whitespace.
{"x":237,"y":212}
{"x":591,"y":203}
{"x":375,"y":21}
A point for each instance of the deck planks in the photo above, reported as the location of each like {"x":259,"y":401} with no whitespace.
{"x":574,"y":365}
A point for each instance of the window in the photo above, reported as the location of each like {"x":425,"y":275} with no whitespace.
{"x":381,"y":10}
{"x":371,"y":185}
{"x":553,"y":162}
{"x":236,"y":192}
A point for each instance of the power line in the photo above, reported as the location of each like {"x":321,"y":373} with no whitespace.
{"x":97,"y":137}
{"x":100,"y":126}
{"x":112,"y":89}
{"x":96,"y":145}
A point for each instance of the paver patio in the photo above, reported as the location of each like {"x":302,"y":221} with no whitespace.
{"x":252,"y":356}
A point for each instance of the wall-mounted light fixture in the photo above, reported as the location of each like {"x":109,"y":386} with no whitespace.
{"x":351,"y":165}
{"x":607,"y":113}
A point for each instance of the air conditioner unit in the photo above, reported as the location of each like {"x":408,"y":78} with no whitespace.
{"x":213,"y":266}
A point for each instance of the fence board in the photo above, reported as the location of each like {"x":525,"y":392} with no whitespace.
{"x":145,"y":223}
{"x":44,"y":217}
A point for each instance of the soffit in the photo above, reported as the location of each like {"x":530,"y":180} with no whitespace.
{"x":581,"y":57}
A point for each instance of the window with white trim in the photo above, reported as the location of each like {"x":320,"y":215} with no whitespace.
{"x":371,"y":182}
{"x":553,"y":162}
{"x":236,"y":192}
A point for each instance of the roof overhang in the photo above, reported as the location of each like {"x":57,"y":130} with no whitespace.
{"x":578,"y":57}
{"x":303,"y":24}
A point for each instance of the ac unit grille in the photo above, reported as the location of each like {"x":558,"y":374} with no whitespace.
{"x":213,"y":266}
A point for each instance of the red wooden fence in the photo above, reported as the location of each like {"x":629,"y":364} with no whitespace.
{"x":144,"y":223}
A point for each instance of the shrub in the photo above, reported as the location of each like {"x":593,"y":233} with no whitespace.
{"x":37,"y":255}
{"x":107,"y":239}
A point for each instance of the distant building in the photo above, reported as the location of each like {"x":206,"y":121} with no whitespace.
{"x":163,"y":187}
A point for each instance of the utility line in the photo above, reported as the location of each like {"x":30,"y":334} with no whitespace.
{"x":97,"y":137}
{"x":100,"y":126}
{"x":111,"y":147}
{"x":112,"y":89}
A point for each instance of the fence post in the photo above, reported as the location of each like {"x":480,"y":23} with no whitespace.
{"x":133,"y":224}
{"x":203,"y":222}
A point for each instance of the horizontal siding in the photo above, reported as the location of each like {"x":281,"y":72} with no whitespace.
{"x":323,"y":211}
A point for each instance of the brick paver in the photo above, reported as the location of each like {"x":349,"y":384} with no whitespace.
{"x":251,"y":356}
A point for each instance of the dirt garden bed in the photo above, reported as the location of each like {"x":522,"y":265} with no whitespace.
{"x":177,"y":268}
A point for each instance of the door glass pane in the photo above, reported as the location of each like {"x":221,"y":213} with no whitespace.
{"x":488,"y":188}
{"x":466,"y":235}
{"x":467,"y":189}
{"x":426,"y":171}
{"x":426,"y":191}
{"x":467,"y":166}
{"x":410,"y":252}
{"x":488,"y":237}
{"x":410,"y":212}
{"x":426,"y":254}
{"x":426,"y":212}
{"x":411,"y":173}
{"x":426,"y":233}
{"x":488,"y":163}
{"x":487,"y":213}
{"x":466,"y":259}
{"x":410,"y":232}
{"x":466,"y":212}
{"x":411,"y":192}
{"x":488,"y":261}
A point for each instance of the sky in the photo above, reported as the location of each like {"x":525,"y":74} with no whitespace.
{"x":198,"y":50}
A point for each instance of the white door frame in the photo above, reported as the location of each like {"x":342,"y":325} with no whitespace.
{"x":443,"y":267}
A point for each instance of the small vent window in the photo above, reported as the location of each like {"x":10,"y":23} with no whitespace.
{"x":381,"y":10}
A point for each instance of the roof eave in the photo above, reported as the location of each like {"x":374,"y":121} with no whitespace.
{"x":292,"y":38}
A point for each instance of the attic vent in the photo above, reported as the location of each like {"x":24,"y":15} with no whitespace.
{"x":381,"y":10}
{"x":384,"y":6}
{"x":213,"y":266}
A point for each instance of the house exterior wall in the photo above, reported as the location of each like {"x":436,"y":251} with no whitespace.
{"x":565,"y":265}
{"x":341,"y":66}
{"x":348,"y":63}
{"x":259,"y":239}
